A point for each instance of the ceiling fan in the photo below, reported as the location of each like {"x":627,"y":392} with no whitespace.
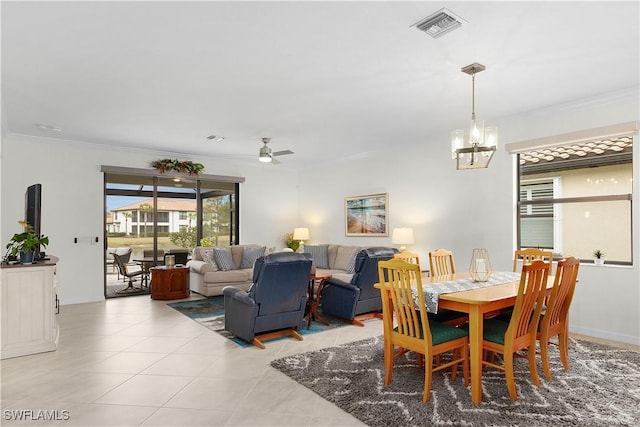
{"x":266,"y":155}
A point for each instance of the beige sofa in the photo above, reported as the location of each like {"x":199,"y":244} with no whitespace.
{"x":206,"y":278}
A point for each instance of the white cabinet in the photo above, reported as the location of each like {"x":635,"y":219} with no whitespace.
{"x":28,"y":307}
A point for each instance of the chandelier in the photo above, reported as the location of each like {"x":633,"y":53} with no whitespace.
{"x":480,"y":145}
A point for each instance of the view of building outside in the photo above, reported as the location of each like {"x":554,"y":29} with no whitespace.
{"x":176,"y":223}
{"x":560,"y":226}
{"x":595,"y":197}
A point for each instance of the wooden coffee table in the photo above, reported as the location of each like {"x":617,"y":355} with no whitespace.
{"x":315,"y":294}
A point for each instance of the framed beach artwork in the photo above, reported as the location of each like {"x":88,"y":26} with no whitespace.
{"x":367,"y":215}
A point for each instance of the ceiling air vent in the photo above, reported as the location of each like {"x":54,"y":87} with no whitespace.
{"x":439,"y":23}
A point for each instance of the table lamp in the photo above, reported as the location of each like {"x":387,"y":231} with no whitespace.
{"x":402,"y":236}
{"x":301,"y":234}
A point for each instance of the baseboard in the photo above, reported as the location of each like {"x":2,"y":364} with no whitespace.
{"x":81,"y":300}
{"x":607,"y":335}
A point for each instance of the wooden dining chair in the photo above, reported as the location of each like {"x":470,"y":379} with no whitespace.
{"x":414,"y":331}
{"x":529,"y":255}
{"x":407,"y":256}
{"x":554,"y":320}
{"x":521,"y":331}
{"x":441,"y":262}
{"x":448,"y":317}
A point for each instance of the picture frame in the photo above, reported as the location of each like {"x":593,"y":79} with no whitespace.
{"x":367,"y":215}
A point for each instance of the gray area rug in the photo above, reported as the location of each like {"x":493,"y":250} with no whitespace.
{"x":602,"y":388}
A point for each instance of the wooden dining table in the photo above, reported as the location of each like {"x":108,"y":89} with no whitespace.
{"x":475,"y":302}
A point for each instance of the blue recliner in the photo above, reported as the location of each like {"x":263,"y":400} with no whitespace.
{"x":358,"y":299}
{"x":275,"y":303}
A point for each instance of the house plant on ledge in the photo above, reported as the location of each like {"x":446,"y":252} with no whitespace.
{"x":26,"y":243}
{"x":168,"y":165}
{"x":598,"y":257}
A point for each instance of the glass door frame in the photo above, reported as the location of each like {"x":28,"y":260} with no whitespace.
{"x":234,"y":226}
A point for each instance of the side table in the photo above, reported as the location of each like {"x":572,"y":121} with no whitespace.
{"x":315,"y":293}
{"x":169,"y":282}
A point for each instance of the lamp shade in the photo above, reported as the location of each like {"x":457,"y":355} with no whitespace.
{"x":301,"y":233}
{"x":402,"y":236}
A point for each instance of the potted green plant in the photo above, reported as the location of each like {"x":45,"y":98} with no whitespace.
{"x":598,"y":257}
{"x":168,"y":165}
{"x":26,"y":243}
{"x":290,"y":243}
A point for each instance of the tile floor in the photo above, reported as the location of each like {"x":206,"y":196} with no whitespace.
{"x":136,"y":362}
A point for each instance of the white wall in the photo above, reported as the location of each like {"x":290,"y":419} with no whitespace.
{"x":73,"y":202}
{"x":460,"y":210}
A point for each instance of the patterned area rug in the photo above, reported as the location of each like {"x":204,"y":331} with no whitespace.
{"x":602,"y":388}
{"x":210,"y":313}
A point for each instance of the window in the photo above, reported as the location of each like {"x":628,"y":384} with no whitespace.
{"x":163,"y":216}
{"x":574,"y":198}
{"x":182,"y":215}
{"x":536,"y":221}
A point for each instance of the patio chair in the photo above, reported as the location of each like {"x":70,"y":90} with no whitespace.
{"x":128,"y":271}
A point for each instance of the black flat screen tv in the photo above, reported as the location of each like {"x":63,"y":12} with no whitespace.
{"x":33,"y":207}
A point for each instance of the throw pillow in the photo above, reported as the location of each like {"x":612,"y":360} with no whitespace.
{"x":319,"y":255}
{"x":250,"y":255}
{"x":271,"y":250}
{"x":207,"y":256}
{"x":223,"y":259}
{"x":345,"y":257}
{"x":351,"y":265}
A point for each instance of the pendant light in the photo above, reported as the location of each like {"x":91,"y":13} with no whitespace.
{"x":481,"y":144}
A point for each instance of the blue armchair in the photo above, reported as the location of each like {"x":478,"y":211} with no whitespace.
{"x":275,"y":303}
{"x":358,"y":299}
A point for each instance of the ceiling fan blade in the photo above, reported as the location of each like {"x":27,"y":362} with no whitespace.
{"x":275,"y":161}
{"x":281,"y":153}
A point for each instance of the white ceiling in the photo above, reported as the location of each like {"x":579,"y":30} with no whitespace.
{"x":327,"y":80}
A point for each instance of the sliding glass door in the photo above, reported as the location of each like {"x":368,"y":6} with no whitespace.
{"x":147,"y":217}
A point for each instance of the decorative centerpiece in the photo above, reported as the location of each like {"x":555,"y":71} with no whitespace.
{"x":480,"y":268}
{"x":598,"y":257}
{"x":26,"y":243}
{"x":168,"y":165}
